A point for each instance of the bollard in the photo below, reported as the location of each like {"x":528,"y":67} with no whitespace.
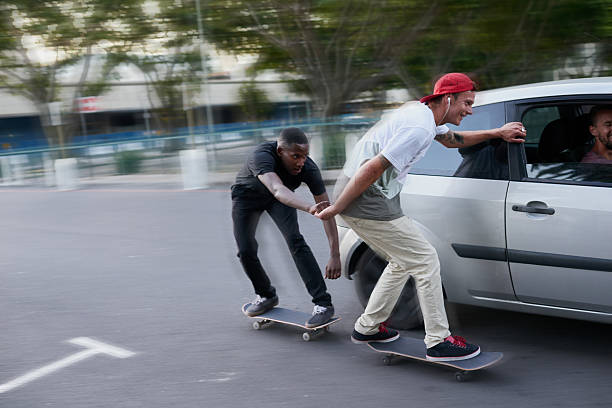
{"x":17,"y":166}
{"x":350,"y":140}
{"x":49,"y":170}
{"x":5,"y":163}
{"x":194,"y":169}
{"x":316,"y":150}
{"x":66,"y":174}
{"x":13,"y":169}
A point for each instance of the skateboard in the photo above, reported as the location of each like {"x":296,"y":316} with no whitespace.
{"x":292,"y":318}
{"x":415,"y":349}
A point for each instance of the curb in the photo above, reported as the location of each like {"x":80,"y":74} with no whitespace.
{"x":166,"y":181}
{"x":227,"y":178}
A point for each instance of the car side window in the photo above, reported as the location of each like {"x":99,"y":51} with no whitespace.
{"x":486,"y":160}
{"x":558,"y":139}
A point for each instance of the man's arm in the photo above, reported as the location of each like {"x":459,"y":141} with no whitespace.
{"x":365,"y":176}
{"x":275,"y":185}
{"x":512,"y":132}
{"x":332,"y":269}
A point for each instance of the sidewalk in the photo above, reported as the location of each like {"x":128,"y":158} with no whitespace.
{"x":329,"y":176}
{"x":153,"y":181}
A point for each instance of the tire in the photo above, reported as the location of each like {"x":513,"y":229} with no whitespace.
{"x":407,"y":312}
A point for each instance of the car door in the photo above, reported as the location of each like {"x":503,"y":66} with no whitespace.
{"x":559,"y":211}
{"x":457,"y":198}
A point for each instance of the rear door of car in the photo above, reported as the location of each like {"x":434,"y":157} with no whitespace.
{"x":558,"y":210}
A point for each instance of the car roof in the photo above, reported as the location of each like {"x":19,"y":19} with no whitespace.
{"x":583,"y":86}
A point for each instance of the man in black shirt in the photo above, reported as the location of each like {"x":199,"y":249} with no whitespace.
{"x":267,"y":183}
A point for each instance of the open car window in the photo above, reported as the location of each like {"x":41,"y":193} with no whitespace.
{"x":558,"y":139}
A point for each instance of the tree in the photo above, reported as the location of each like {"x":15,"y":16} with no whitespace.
{"x":170,"y":77}
{"x":40,"y":39}
{"x":168,"y":55}
{"x":337,"y":49}
{"x":514,"y":43}
{"x":254,"y":102}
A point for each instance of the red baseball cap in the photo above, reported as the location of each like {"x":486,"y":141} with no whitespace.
{"x":454,"y":82}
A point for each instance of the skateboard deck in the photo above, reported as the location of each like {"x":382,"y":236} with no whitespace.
{"x":292,"y":318}
{"x":415,"y":349}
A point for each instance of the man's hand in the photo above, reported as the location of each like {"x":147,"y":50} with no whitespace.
{"x":318,"y":207}
{"x":327,"y":213}
{"x":332,"y":269}
{"x":513,"y":132}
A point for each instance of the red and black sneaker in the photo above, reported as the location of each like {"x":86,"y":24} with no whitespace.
{"x":385,"y":335}
{"x":453,"y":348}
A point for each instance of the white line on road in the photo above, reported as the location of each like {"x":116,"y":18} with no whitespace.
{"x":92,"y":347}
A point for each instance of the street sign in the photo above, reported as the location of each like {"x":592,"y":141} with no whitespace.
{"x":87,"y":104}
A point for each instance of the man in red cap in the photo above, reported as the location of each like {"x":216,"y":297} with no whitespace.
{"x":369,"y":203}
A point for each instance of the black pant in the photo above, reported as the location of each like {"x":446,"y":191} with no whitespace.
{"x":245,"y":215}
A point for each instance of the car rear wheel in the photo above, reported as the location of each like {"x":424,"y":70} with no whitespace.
{"x":407,"y":312}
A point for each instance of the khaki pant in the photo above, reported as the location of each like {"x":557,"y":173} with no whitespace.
{"x":409,"y":254}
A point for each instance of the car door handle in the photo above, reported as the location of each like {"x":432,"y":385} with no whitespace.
{"x":532,"y":209}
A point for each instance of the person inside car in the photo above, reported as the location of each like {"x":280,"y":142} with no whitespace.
{"x":267,"y":182}
{"x":369,"y":202}
{"x":601,"y":129}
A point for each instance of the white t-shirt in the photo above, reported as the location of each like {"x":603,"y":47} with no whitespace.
{"x":402,"y":137}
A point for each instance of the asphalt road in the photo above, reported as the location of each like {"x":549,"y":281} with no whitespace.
{"x":154,"y":272}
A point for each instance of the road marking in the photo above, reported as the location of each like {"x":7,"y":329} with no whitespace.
{"x":227,"y":376}
{"x":92,"y":347}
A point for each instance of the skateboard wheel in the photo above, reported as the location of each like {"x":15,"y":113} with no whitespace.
{"x":306,"y":336}
{"x":256,"y":325}
{"x":326,"y":328}
{"x":387,"y":360}
{"x":460,"y":377}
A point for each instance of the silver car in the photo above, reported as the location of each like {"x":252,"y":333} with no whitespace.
{"x":522,"y":227}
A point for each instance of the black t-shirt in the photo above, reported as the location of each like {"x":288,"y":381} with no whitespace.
{"x":265,"y":159}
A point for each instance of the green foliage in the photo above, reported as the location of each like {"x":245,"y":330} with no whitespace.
{"x":338,"y":49}
{"x":333,"y":148}
{"x":506,"y":42}
{"x":159,"y":37}
{"x":332,"y":50}
{"x":254,"y":102}
{"x":128,"y":162}
{"x":103,"y":84}
{"x":40,"y":39}
{"x":168,"y":55}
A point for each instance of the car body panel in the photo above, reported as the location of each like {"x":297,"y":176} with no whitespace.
{"x":495,"y":255}
{"x":579,"y":229}
{"x":349,"y":243}
{"x":450,"y":207}
{"x":584,"y":86}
